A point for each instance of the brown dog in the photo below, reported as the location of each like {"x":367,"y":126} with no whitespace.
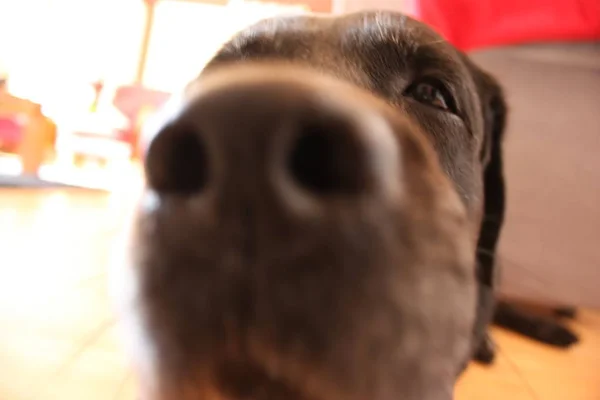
{"x":312,"y":218}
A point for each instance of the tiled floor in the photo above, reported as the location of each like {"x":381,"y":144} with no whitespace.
{"x":57,"y":334}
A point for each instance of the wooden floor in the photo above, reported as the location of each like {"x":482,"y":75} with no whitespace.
{"x":57,"y":334}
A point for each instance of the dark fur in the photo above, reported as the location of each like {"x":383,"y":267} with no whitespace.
{"x":541,"y":328}
{"x":240,"y":298}
{"x":495,"y":114}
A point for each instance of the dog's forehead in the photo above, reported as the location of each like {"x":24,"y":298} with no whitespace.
{"x":385,"y":26}
{"x":408,"y":38}
{"x":389,"y":42}
{"x":376,"y":50}
{"x":284,"y":37}
{"x":289,"y":34}
{"x":386,"y":42}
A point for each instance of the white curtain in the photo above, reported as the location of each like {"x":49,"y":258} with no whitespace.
{"x":53,"y":49}
{"x":347,"y":6}
{"x":186,"y":36}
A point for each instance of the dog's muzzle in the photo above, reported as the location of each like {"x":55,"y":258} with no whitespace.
{"x":300,"y":143}
{"x":305,"y":244}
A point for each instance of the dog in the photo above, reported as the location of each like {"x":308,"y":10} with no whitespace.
{"x":314,"y":223}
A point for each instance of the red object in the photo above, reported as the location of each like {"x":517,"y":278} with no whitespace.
{"x":132,"y":99}
{"x":98,"y":87}
{"x":11,"y":133}
{"x":471,"y":24}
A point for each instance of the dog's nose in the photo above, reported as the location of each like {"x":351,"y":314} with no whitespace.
{"x":301,"y":141}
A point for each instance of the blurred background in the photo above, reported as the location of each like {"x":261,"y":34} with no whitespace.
{"x":80,"y":78}
{"x":84,"y":75}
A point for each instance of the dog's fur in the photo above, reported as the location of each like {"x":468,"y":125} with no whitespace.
{"x":369,"y":296}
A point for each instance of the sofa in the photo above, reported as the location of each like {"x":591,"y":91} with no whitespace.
{"x":550,"y":246}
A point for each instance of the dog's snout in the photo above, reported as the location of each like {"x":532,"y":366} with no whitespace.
{"x":341,"y":151}
{"x":176,"y":162}
{"x":288,"y":209}
{"x":326,"y":156}
{"x":299,"y":141}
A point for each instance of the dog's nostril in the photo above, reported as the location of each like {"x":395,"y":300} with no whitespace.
{"x":327,"y":158}
{"x":176,"y":162}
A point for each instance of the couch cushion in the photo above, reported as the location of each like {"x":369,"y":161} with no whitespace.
{"x":550,"y":248}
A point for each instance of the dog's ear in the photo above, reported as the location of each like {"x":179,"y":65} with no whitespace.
{"x":494,"y":111}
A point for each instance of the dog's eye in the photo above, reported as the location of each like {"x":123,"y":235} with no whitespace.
{"x":431,"y":93}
